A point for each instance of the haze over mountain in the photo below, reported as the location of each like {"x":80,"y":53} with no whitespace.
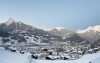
{"x":91,"y":33}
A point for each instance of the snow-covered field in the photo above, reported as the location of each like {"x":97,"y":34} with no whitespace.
{"x":15,"y":57}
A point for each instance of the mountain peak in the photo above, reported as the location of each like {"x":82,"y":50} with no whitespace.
{"x":10,"y":20}
{"x":59,"y":28}
{"x":94,"y":28}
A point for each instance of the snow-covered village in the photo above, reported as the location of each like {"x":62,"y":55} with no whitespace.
{"x":49,"y":54}
{"x":49,"y":31}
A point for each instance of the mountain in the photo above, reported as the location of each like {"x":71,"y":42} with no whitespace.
{"x":91,"y":33}
{"x":11,"y":25}
{"x":61,"y":32}
{"x":20,"y":32}
{"x":14,"y":32}
{"x":95,"y":28}
{"x":68,"y":35}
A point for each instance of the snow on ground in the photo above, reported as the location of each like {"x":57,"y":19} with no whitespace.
{"x":88,"y":57}
{"x":97,"y":60}
{"x":15,"y":57}
{"x":12,"y":57}
{"x":53,"y":61}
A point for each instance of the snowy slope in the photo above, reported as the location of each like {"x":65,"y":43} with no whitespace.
{"x":12,"y":57}
{"x":97,"y":60}
{"x":89,"y":57}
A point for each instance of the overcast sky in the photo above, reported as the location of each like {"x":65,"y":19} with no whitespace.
{"x":71,"y":14}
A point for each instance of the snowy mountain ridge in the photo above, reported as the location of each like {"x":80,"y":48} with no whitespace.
{"x":10,"y":21}
{"x":27,"y":33}
{"x":91,"y":34}
{"x":57,"y":28}
{"x":94,"y":28}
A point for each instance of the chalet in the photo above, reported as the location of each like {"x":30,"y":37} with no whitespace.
{"x":65,"y":58}
{"x":34,"y":57}
{"x":22,"y":52}
{"x":80,"y":52}
{"x":90,"y":51}
{"x":50,"y":57}
{"x":96,"y":49}
{"x":13,"y":49}
{"x":73,"y":52}
{"x":52,"y":52}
